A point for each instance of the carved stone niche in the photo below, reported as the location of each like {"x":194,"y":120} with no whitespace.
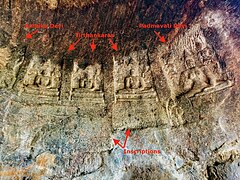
{"x":203,"y":74}
{"x":42,"y":78}
{"x":136,"y":103}
{"x":191,"y":68}
{"x":132,"y":78}
{"x":86,"y":83}
{"x":195,"y":68}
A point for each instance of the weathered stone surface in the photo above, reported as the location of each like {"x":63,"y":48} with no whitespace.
{"x":59,"y":111}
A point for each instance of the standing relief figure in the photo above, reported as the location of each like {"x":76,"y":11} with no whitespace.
{"x":74,"y":77}
{"x":90,"y":73}
{"x":170,"y":68}
{"x":97,"y":78}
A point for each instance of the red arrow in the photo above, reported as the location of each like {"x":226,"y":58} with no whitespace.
{"x":72,"y":46}
{"x":116,"y":141}
{"x":29,"y":35}
{"x":161,"y":38}
{"x":93,"y":46}
{"x":114,"y":46}
{"x":127,"y":135}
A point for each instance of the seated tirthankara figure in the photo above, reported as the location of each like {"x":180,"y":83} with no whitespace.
{"x":132,"y":78}
{"x":136,"y":76}
{"x":42,"y":77}
{"x":86,"y":83}
{"x":87,"y":79}
{"x":134,"y":81}
{"x":79,"y":77}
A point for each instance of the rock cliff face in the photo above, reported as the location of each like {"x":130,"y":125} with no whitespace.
{"x":60,"y":110}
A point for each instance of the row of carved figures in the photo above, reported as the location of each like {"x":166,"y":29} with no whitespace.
{"x":48,"y":75}
{"x":200,"y":73}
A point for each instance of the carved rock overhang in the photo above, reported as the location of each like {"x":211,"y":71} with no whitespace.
{"x":120,"y":18}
